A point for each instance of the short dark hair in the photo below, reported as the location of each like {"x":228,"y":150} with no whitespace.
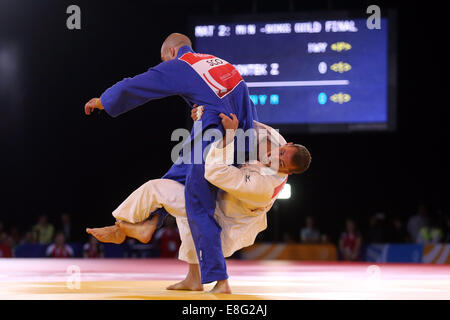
{"x":301,"y":159}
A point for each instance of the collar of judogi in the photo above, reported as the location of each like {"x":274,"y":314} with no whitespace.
{"x":183,"y":50}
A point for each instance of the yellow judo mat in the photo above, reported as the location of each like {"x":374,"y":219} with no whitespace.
{"x":136,"y":279}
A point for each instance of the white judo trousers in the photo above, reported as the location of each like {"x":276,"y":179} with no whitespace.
{"x":155,"y":194}
{"x":246,"y":195}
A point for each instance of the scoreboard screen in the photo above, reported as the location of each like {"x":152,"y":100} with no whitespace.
{"x":318,"y":74}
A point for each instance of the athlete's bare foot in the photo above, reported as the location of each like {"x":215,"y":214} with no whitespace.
{"x":221,"y":286}
{"x":142,"y":231}
{"x":187,"y":284}
{"x":192,"y":282}
{"x":111,"y":234}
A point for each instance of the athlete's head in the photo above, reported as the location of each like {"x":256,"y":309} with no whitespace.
{"x":60,"y":238}
{"x":170,"y":46}
{"x":292,"y":158}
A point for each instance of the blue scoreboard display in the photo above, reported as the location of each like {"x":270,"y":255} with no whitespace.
{"x":311,"y":74}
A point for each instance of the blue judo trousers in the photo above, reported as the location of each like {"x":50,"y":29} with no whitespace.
{"x":203,"y":80}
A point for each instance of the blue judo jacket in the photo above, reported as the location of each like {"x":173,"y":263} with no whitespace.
{"x":200,"y":79}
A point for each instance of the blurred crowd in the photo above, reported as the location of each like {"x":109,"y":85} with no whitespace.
{"x":45,"y":233}
{"x":422,"y":227}
{"x":61,"y":238}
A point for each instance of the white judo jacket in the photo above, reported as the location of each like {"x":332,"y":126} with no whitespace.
{"x":245,"y":196}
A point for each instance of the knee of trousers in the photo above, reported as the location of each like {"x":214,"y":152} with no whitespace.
{"x":137,"y":206}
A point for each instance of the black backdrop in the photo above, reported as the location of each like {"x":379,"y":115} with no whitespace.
{"x":55,"y":159}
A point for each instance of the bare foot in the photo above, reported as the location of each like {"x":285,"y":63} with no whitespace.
{"x":142,"y":231}
{"x":111,"y":234}
{"x":221,"y":286}
{"x":187,"y":284}
{"x":192,"y":281}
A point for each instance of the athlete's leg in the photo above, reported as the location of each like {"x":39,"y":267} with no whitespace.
{"x":222,"y":286}
{"x":191,"y":282}
{"x":177,"y":173}
{"x":132,"y":214}
{"x":200,"y":206}
{"x":152,"y":195}
{"x":110,"y":234}
{"x":188,"y":254}
{"x":142,"y":231}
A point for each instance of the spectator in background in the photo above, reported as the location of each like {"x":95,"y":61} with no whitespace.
{"x":397,"y":231}
{"x":59,"y":249}
{"x":43,"y":231}
{"x":376,"y":232}
{"x":309,"y":234}
{"x":431,"y":232}
{"x":15,"y":235}
{"x":5,"y":246}
{"x":417,"y":222}
{"x":66,"y":226}
{"x":93,"y":249}
{"x":28,"y":238}
{"x":350,"y":242}
{"x":169,"y":239}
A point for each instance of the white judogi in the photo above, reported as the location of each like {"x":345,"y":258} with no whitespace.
{"x":246,"y":194}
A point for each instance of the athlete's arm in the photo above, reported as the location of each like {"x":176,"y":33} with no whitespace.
{"x":230,"y":125}
{"x":197,"y":112}
{"x":164,"y":80}
{"x":247,"y":186}
{"x":93,"y":104}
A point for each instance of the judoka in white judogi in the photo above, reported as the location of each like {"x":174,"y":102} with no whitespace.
{"x":246,"y":195}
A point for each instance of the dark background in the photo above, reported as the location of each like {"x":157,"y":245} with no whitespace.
{"x":55,"y":159}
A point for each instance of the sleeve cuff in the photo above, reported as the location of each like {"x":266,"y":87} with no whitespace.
{"x":103,"y":101}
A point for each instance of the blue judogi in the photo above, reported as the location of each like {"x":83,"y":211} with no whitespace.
{"x":180,"y":77}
